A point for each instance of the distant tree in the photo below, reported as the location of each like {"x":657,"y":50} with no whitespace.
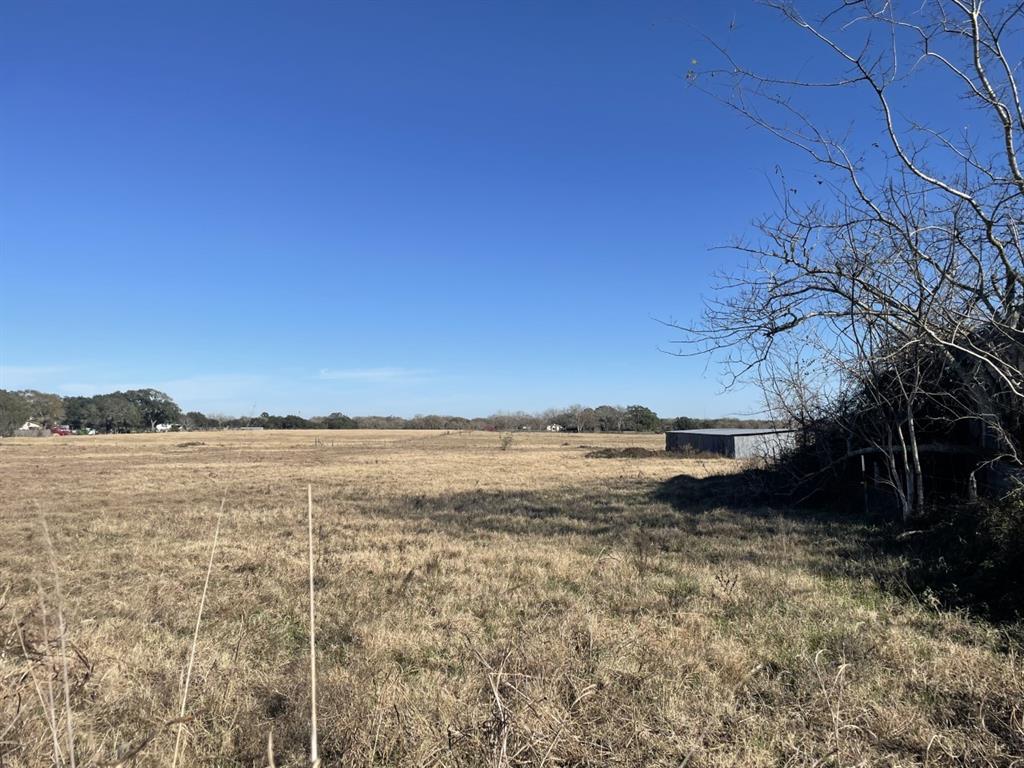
{"x":154,"y":407}
{"x":339,"y":421}
{"x":515,"y":421}
{"x":429,"y":421}
{"x":609,"y":418}
{"x":197,"y":420}
{"x":269,"y":421}
{"x":14,"y":410}
{"x":380,"y":422}
{"x":727,"y":422}
{"x":641,"y":419}
{"x":586,"y":420}
{"x":82,"y":413}
{"x":502,"y":420}
{"x":576,"y":418}
{"x":47,"y":409}
{"x":685,"y":422}
{"x":117,"y":413}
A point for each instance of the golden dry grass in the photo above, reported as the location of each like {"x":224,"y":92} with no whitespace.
{"x":475,"y":606}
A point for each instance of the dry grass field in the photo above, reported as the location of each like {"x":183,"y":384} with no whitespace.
{"x":476,"y":606}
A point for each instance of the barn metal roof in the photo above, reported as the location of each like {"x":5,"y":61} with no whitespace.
{"x":729,"y":432}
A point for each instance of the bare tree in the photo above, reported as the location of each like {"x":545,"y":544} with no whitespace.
{"x":909,"y":264}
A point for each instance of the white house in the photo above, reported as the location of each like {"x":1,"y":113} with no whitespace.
{"x":31,"y":429}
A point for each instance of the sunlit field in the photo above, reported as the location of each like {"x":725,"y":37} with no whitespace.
{"x":481,"y":601}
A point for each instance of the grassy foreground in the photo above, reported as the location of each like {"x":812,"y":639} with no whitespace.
{"x":476,"y":606}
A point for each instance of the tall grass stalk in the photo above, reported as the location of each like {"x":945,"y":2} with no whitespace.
{"x":195,"y":637}
{"x":178,"y":744}
{"x":270,"y":750}
{"x":62,"y":630}
{"x":46,"y":704}
{"x":313,"y":747}
{"x":51,"y":698}
{"x":314,"y":752}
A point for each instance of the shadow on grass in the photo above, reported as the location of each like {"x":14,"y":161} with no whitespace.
{"x":745,"y":491}
{"x":711,"y":521}
{"x":958,"y":558}
{"x":725,"y":520}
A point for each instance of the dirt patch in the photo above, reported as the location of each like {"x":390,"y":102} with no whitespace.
{"x":628,"y":453}
{"x":191,"y":444}
{"x":633,"y":452}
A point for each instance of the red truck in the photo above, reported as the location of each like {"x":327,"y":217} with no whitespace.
{"x":60,"y":429}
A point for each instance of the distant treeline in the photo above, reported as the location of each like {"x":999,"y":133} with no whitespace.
{"x":135,"y":410}
{"x":141,"y":410}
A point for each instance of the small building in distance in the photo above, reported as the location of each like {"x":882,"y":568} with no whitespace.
{"x":733,"y":443}
{"x":31,"y":429}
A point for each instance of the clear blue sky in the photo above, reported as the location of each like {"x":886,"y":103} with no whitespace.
{"x":369,"y":207}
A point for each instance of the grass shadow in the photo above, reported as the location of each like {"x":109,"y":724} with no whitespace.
{"x":725,"y":520}
{"x":714,"y":521}
{"x":947,"y":561}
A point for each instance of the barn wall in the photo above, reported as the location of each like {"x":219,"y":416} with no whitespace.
{"x":760,"y":446}
{"x":766,"y":446}
{"x":723,"y":445}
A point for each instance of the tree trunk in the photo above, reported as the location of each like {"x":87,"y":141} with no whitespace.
{"x":894,"y":476}
{"x":908,"y":494}
{"x":916,"y":459}
{"x":864,"y":483}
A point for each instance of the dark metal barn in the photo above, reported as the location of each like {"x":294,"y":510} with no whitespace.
{"x":734,"y":443}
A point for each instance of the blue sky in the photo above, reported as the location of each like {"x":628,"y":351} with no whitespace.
{"x":370,"y":207}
